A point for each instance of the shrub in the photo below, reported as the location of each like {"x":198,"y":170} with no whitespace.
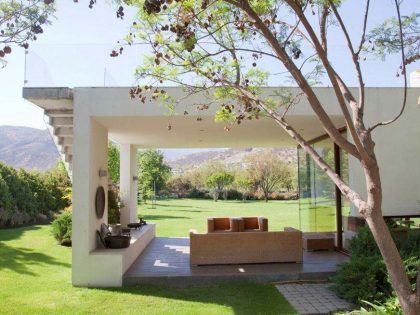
{"x":25,"y":195}
{"x":113,"y":207}
{"x":390,"y":307}
{"x":6,"y":202}
{"x":364,"y":277}
{"x":61,"y":228}
{"x":199,"y":194}
{"x":233,"y":194}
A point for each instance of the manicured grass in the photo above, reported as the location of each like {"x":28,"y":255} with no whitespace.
{"x":35,"y":278}
{"x":175,"y":217}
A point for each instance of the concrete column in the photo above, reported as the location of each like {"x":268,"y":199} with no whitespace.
{"x":90,"y":156}
{"x":128,"y":183}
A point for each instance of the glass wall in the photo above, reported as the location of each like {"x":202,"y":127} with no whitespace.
{"x":317,"y":203}
{"x":345,"y":203}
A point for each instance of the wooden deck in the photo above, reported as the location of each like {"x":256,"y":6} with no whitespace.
{"x":166,"y":262}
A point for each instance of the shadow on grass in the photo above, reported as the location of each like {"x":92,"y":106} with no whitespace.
{"x":192,"y":211}
{"x":261,"y":202}
{"x":8,"y":234}
{"x":169,"y":205}
{"x":20,"y":260}
{"x":156,"y":217}
{"x":243,"y":298}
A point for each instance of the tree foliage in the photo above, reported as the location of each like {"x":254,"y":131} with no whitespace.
{"x":113,"y":163}
{"x":269,"y":172}
{"x":22,"y":22}
{"x":218,"y":182}
{"x":24,"y":195}
{"x":153,"y":172}
{"x":180,"y":185}
{"x":243,"y":183}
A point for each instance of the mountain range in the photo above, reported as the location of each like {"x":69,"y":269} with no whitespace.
{"x":229,"y":157}
{"x":34,"y":149}
{"x":28,"y":148}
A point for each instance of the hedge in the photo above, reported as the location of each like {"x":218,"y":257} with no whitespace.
{"x":24,"y":196}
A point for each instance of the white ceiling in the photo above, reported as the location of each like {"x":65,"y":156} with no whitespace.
{"x":187,"y":132}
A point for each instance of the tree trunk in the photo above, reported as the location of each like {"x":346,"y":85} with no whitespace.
{"x":225,"y":195}
{"x":409,"y":300}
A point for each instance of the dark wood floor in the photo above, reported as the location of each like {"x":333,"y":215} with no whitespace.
{"x":166,"y":261}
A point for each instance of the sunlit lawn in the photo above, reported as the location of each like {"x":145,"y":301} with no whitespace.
{"x":35,"y":278}
{"x":175,"y":217}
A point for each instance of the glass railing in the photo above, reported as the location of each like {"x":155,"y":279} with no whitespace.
{"x":79,"y":65}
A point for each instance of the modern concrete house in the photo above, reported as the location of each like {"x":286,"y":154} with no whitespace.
{"x":83,"y":119}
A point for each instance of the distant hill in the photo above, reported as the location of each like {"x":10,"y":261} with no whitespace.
{"x":28,"y":148}
{"x":229,"y":157}
{"x":33,"y":149}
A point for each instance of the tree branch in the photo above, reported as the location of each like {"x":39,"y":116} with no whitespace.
{"x":403,"y":73}
{"x":301,"y":81}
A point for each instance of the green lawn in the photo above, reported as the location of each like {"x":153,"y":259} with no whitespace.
{"x":175,"y":217}
{"x":35,"y":278}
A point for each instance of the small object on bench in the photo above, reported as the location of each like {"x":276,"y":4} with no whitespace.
{"x":126,"y":231}
{"x":117,"y":241}
{"x":112,"y":241}
{"x":318,"y":241}
{"x":137,"y":225}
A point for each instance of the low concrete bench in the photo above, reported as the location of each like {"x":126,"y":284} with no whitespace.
{"x":318,"y":241}
{"x":111,"y":264}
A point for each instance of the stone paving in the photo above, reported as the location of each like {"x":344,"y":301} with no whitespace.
{"x":313,"y":298}
{"x":166,"y":261}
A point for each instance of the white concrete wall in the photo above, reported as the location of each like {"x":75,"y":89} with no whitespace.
{"x":90,"y":155}
{"x":397,"y":149}
{"x":128,"y":186}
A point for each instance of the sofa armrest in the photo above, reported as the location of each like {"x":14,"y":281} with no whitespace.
{"x":263,"y":224}
{"x":210,"y":225}
{"x":193,"y":231}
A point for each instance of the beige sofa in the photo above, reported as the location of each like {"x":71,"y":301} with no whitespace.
{"x":246,"y":247}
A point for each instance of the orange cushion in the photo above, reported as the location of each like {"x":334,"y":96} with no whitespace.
{"x":221,"y":223}
{"x":251,"y":223}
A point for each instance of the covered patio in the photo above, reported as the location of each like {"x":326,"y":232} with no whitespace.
{"x":83,"y":119}
{"x":166,"y":261}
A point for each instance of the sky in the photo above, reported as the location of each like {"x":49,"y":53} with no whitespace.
{"x":74,"y":51}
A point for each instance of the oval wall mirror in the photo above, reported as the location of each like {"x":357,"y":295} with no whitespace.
{"x":100,"y":202}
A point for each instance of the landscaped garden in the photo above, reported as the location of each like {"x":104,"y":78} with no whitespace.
{"x":175,"y":217}
{"x":35,"y":278}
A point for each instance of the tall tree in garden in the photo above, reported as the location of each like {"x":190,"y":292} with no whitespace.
{"x":218,"y":182}
{"x":216,"y":47}
{"x":243,"y":183}
{"x":268,"y":172}
{"x":153,"y":172}
{"x":22,"y":22}
{"x":113,"y":162}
